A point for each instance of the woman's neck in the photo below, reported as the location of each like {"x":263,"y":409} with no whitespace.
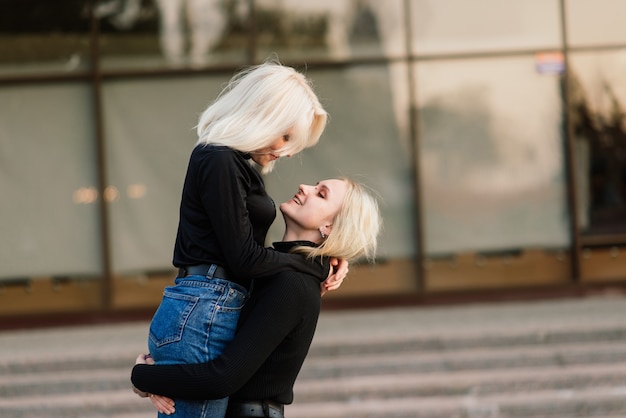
{"x":312,"y":236}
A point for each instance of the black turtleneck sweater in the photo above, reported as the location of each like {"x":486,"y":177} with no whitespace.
{"x":262,"y":362}
{"x":225,"y":213}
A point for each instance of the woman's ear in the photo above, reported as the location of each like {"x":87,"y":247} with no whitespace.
{"x":325,"y":230}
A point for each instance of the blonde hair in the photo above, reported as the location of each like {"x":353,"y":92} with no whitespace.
{"x":258,"y":106}
{"x":355,"y":228}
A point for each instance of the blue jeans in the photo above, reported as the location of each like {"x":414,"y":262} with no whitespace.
{"x":195,"y":320}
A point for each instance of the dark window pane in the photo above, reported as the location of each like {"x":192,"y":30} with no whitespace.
{"x":40,"y":36}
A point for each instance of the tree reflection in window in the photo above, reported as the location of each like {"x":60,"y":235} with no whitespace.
{"x":603,"y":138}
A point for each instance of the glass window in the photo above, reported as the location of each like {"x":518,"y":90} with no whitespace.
{"x":363,"y":141}
{"x":595,"y":22}
{"x":172,"y":33}
{"x":50,"y":222}
{"x":43,"y":36}
{"x":461,"y":26}
{"x":491,"y":156}
{"x":329,"y":29}
{"x":148,"y":146}
{"x":598,"y":95}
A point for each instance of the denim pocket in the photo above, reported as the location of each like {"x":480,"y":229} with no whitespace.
{"x":169,"y":320}
{"x":233,"y":300}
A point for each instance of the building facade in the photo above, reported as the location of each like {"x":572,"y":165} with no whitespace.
{"x":494,"y":132}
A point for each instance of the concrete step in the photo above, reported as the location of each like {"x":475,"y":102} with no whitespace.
{"x":72,"y":361}
{"x":513,"y":357}
{"x":461,"y":383}
{"x":598,"y":402}
{"x":583,"y":391}
{"x":72,"y":381}
{"x":106,"y":392}
{"x":77,"y":376}
{"x":573,"y":369}
{"x":336,"y":350}
{"x":98,"y":404}
{"x":442,"y":382}
{"x":438,"y":341}
{"x":591,"y":402}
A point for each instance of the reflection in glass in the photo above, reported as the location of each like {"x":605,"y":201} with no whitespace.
{"x":491,"y":156}
{"x":458,"y":26}
{"x":598,"y":94}
{"x":43,"y":36}
{"x":171,"y":33}
{"x":335,"y":29}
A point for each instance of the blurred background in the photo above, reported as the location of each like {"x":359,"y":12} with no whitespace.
{"x":494,"y":132}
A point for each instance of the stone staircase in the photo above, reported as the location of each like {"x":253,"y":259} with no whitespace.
{"x":567,"y":373}
{"x":575,"y":370}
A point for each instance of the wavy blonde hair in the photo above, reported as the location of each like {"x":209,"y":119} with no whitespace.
{"x":355,"y":228}
{"x":258,"y":106}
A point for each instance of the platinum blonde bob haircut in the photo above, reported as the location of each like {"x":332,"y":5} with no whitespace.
{"x":355,"y":228}
{"x":258,"y":106}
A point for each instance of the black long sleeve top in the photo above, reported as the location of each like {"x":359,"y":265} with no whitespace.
{"x":262,"y":362}
{"x":225,"y":213}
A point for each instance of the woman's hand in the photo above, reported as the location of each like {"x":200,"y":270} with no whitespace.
{"x":338,"y":272}
{"x":144,"y":359}
{"x":163,"y":404}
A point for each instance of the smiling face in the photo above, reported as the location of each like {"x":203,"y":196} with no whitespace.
{"x":266,"y":155}
{"x":313,"y":209}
